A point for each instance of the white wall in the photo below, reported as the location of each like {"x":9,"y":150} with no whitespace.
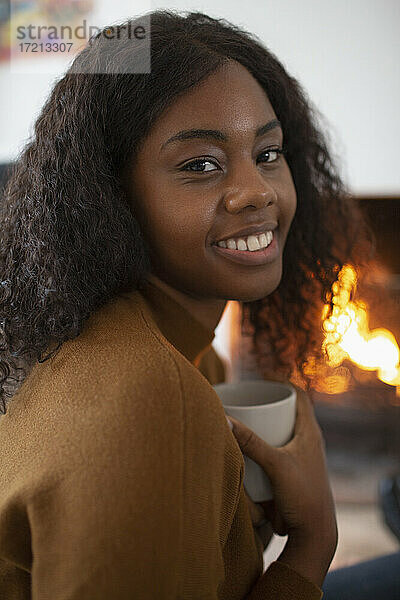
{"x":345,"y":53}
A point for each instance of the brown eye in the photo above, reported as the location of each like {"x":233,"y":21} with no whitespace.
{"x":271,"y":154}
{"x":198,"y":163}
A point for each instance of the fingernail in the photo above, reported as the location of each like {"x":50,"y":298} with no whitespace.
{"x":229,"y":423}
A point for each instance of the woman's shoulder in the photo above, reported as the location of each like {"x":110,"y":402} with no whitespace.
{"x":104,"y":386}
{"x":119,"y":331}
{"x":116,"y":358}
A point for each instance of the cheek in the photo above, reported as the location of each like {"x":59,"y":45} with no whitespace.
{"x":289,"y":199}
{"x":292,"y":205}
{"x":174,"y":231}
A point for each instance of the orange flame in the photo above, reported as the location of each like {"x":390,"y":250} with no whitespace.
{"x":347,"y":335}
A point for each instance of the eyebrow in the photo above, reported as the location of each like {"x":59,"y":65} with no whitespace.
{"x":215,"y":134}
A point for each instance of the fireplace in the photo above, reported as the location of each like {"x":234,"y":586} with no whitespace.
{"x":367,"y":415}
{"x":360,"y":419}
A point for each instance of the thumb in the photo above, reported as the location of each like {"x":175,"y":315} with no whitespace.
{"x":274,"y":517}
{"x":252,"y":445}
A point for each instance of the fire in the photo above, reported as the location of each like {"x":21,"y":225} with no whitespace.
{"x":347,"y":334}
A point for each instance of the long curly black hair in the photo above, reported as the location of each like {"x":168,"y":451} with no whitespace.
{"x":69,"y":240}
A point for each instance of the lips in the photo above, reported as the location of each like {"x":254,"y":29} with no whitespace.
{"x":265,"y":256}
{"x":249,"y":230}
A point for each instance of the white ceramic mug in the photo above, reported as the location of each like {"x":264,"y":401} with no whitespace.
{"x":269,"y":409}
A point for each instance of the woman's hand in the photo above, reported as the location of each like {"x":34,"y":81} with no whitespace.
{"x":261,"y":526}
{"x":303,"y":504}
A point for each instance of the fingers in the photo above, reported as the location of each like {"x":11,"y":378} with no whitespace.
{"x":263,"y":453}
{"x":304,"y":411}
{"x":273,"y":516}
{"x":268,"y":507}
{"x":251,"y":444}
{"x":256,"y":511}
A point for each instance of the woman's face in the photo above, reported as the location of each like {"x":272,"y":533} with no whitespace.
{"x":192,"y":192}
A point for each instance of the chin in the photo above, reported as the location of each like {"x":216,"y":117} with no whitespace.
{"x":260,"y":289}
{"x":253,"y":296}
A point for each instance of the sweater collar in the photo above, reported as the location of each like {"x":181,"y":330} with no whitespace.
{"x":188,"y":335}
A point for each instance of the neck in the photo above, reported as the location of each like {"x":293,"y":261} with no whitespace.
{"x":207,"y":311}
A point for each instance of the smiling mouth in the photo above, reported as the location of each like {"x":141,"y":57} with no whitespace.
{"x":249,"y":243}
{"x":258,"y":256}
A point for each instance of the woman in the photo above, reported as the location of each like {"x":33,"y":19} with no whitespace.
{"x":120,"y":477}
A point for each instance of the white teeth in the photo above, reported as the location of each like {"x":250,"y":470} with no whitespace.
{"x":264,"y":239}
{"x":251,"y":243}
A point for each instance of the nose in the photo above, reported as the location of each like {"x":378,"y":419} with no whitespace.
{"x":251,"y":189}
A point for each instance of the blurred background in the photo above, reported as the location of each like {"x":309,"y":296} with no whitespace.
{"x":346,"y":56}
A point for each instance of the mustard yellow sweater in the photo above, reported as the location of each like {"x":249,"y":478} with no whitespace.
{"x":119,"y":476}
